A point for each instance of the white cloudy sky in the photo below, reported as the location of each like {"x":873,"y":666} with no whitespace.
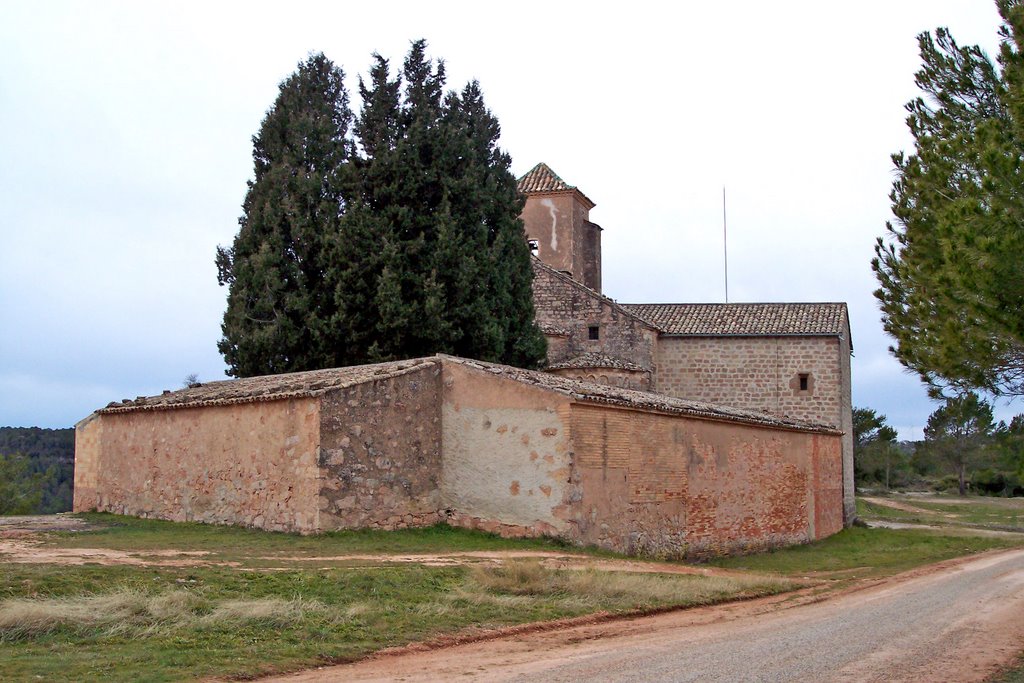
{"x":125,"y":143}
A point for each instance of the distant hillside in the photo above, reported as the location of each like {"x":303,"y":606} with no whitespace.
{"x":48,"y":450}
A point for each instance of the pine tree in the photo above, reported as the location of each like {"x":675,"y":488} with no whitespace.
{"x":951,"y":286}
{"x":278,"y":318}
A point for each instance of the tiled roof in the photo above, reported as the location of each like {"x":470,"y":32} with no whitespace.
{"x":745,"y":320}
{"x":541,"y":178}
{"x":596,"y":360}
{"x":267,"y":387}
{"x":589,"y":392}
{"x":318,"y":382}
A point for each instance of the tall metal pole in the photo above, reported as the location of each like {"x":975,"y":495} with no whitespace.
{"x":725,"y":246}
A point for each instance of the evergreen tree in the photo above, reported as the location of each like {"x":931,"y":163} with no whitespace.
{"x":876,"y":455}
{"x":411,"y":244}
{"x":959,"y":432}
{"x":278,"y":317}
{"x":951,"y":286}
{"x":439,"y":212}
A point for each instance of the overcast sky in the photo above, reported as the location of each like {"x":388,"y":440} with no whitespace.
{"x":125,"y":146}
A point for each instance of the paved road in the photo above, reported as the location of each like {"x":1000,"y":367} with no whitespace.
{"x":959,"y":623}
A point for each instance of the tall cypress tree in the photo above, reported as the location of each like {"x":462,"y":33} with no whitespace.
{"x":455,"y":273}
{"x":415,"y":246}
{"x":277,"y":318}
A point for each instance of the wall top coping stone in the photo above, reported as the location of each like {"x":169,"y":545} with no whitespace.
{"x":589,"y":392}
{"x":269,"y":387}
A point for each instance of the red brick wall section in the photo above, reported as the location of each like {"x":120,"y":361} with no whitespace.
{"x":380,"y":453}
{"x":828,"y":486}
{"x":676,"y":486}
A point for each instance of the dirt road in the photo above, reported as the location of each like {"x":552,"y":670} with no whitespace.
{"x":957,"y":621}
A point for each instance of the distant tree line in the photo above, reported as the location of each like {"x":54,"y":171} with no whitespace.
{"x":964,"y":449}
{"x":37,"y":470}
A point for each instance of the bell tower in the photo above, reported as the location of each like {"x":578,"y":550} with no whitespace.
{"x":557,"y":221}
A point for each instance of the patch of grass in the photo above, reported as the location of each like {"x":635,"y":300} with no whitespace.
{"x":228,"y":543}
{"x":620,"y":589}
{"x":976,"y":511}
{"x":860,"y":553}
{"x":130,"y":613}
{"x":185,"y":623}
{"x":1015,"y":674}
{"x":871,"y":510}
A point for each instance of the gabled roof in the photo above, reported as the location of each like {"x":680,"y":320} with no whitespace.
{"x":541,"y":179}
{"x":745,"y":320}
{"x":268,"y":387}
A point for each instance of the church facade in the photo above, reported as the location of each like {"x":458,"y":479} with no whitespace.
{"x":788,"y":360}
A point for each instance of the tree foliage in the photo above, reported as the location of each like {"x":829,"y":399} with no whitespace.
{"x":387,"y":235}
{"x":951,"y":287}
{"x":960,"y":433}
{"x":37,"y":470}
{"x":876,"y":454}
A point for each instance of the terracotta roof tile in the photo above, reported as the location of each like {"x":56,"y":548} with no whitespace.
{"x":589,"y":392}
{"x":268,"y":387}
{"x":596,"y":360}
{"x":745,"y":320}
{"x":541,"y":178}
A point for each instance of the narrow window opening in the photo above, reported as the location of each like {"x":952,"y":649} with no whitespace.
{"x":594,"y":332}
{"x":534,"y":246}
{"x":804,"y":377}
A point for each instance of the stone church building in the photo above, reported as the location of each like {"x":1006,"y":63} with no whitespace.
{"x":673,"y":429}
{"x":790,"y":360}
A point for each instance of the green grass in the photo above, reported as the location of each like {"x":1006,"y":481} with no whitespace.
{"x":127,"y":622}
{"x":857,"y":553}
{"x":284,"y":605}
{"x":978,"y":511}
{"x":228,"y":542}
{"x":1015,"y":674}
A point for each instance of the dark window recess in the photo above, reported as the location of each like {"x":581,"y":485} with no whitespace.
{"x":534,"y":246}
{"x":804,"y":378}
{"x":594,"y":332}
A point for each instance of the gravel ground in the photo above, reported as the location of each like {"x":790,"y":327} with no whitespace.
{"x":957,"y":621}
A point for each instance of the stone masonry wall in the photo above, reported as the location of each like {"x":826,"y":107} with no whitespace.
{"x":757,"y":373}
{"x":562,"y":303}
{"x":763,"y":373}
{"x":507,"y":459}
{"x":380,"y":453}
{"x":676,"y":486}
{"x":251,"y":464}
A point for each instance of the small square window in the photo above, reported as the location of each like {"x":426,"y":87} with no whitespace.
{"x":594,"y":332}
{"x":804,"y":381}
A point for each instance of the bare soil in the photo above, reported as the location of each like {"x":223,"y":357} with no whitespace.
{"x":21,"y":543}
{"x":958,"y":620}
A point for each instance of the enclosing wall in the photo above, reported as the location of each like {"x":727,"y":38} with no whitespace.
{"x":380,"y":452}
{"x":680,"y":486}
{"x":252,"y":464}
{"x":507,"y":461}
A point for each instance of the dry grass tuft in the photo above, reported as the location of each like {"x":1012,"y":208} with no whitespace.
{"x":589,"y":586}
{"x":132,"y":613}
